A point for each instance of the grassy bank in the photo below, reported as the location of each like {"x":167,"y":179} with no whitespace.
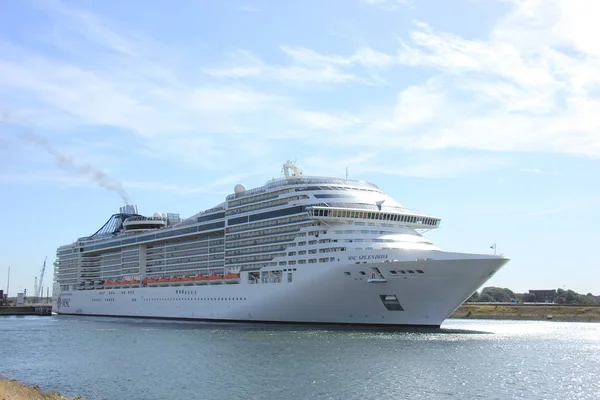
{"x":555,"y":312}
{"x":15,"y":390}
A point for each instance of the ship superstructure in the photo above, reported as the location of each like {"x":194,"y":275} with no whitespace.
{"x":297,"y":249}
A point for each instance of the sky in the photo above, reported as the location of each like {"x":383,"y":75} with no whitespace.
{"x":481,"y":112}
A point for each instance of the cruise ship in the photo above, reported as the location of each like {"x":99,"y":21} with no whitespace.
{"x":299,"y":249}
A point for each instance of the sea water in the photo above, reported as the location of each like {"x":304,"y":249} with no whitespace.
{"x":112,"y":358}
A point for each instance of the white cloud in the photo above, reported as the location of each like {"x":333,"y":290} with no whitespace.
{"x":364,"y":56}
{"x":58,"y":178}
{"x":243,"y":64}
{"x":248,"y":9}
{"x":442,"y":167}
{"x":551,"y":211}
{"x":389,"y":4}
{"x":521,"y":90}
{"x":230,"y":100}
{"x":307,"y":66}
{"x":538,"y":171}
{"x":532,"y":86}
{"x":323,"y":121}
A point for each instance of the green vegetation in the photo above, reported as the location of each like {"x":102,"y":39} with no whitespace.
{"x":503,"y":303}
{"x":571,"y":297}
{"x":492,"y":294}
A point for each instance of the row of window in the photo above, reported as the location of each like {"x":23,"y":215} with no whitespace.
{"x":183,"y":253}
{"x":157,"y":236}
{"x":261,"y":240}
{"x":111,"y":257}
{"x":231,"y":238}
{"x":310,"y":261}
{"x":250,"y":197}
{"x":410,"y":271}
{"x":186,"y":267}
{"x":197,"y":298}
{"x":186,"y":243}
{"x":413,"y":219}
{"x":266,"y":215}
{"x":393,"y":272}
{"x":210,"y":217}
{"x":267,"y":204}
{"x":254,"y":260}
{"x":186,"y":260}
{"x":265,"y":224}
{"x":212,"y":238}
{"x":256,"y":250}
{"x":111,"y":299}
{"x":185,"y":292}
{"x":193,"y":248}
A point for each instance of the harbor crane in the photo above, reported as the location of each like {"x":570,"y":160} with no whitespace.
{"x":39,"y":288}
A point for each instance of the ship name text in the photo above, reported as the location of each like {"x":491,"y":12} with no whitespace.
{"x":368,"y":257}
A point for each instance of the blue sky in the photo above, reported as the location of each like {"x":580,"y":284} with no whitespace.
{"x":484,"y":113}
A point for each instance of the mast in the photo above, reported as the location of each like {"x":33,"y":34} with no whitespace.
{"x":8,"y":284}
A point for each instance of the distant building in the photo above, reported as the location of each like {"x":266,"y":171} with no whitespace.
{"x":597,"y":299}
{"x":544,"y":296}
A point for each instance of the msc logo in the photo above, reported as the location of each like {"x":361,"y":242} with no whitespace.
{"x":63,"y":302}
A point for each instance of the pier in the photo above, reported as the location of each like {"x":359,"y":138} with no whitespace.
{"x":42,"y":309}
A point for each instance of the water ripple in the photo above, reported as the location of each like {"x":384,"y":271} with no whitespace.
{"x":111,"y":358}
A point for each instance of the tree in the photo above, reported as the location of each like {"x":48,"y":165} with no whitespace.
{"x":474,"y":297}
{"x":561,"y":296}
{"x":501,"y":295}
{"x":571,"y":297}
{"x":485,"y":298}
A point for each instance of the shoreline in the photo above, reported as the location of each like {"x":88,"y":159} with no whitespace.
{"x":529,"y":312}
{"x":12,"y":389}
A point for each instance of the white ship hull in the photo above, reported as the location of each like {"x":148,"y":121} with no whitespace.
{"x":318,"y":293}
